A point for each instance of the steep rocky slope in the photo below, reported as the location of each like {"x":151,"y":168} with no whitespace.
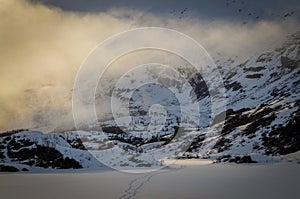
{"x":263,"y":104}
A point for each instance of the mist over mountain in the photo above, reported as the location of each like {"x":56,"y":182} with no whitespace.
{"x":261,"y":125}
{"x":45,"y":42}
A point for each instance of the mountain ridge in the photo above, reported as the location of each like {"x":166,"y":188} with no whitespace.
{"x":262,"y":121}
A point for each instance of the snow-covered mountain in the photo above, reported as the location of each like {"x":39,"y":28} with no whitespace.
{"x":263,"y":105}
{"x":23,"y":150}
{"x":262,"y":120}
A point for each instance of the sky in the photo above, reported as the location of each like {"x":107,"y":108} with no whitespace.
{"x":206,"y":9}
{"x":43,"y":43}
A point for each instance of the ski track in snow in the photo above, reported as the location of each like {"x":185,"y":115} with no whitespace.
{"x":136,"y":184}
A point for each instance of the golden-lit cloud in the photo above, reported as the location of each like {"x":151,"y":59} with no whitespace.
{"x":41,"y":49}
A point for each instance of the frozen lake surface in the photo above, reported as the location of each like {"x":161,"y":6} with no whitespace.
{"x":184,"y":179}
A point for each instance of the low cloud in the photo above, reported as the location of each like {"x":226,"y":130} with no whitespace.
{"x":41,"y":49}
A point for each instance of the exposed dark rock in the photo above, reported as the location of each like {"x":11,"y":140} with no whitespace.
{"x":188,"y":155}
{"x":235,"y":159}
{"x":235,"y":86}
{"x":9,"y":133}
{"x":258,"y":118}
{"x":254,"y":76}
{"x":223,"y":144}
{"x":40,"y":156}
{"x":13,"y":144}
{"x":258,"y":123}
{"x":2,"y":156}
{"x":254,"y":69}
{"x":197,"y":143}
{"x":265,"y":57}
{"x":241,"y":159}
{"x":112,"y":129}
{"x":76,"y":143}
{"x":284,"y":139}
{"x":289,"y":63}
{"x":5,"y":168}
{"x":199,"y":86}
{"x":144,"y":165}
{"x":234,"y":119}
{"x":223,"y":158}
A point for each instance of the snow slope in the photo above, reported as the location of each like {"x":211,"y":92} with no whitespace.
{"x":262,"y":120}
